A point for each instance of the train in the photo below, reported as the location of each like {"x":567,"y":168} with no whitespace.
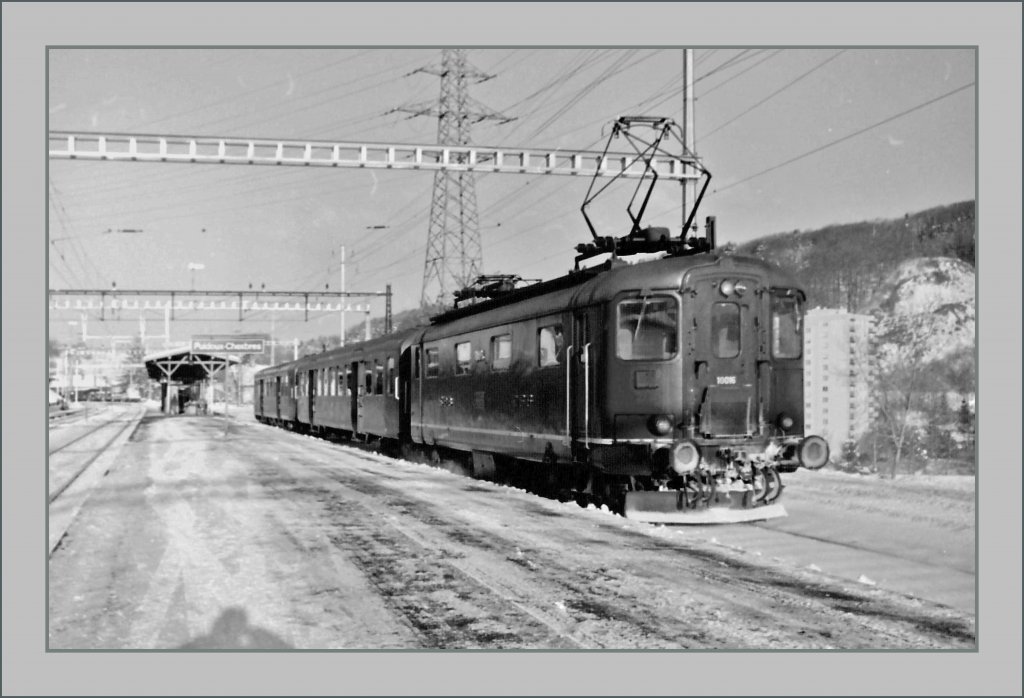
{"x":662,"y":389}
{"x":669,"y":390}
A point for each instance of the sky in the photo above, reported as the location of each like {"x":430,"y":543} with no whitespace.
{"x":795,"y":139}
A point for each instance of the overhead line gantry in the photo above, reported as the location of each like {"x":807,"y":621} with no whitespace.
{"x":131,"y":147}
{"x":242,"y":301}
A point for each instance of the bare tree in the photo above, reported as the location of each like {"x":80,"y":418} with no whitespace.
{"x":903,"y":379}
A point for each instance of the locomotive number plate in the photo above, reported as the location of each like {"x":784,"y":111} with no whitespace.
{"x":726,"y":380}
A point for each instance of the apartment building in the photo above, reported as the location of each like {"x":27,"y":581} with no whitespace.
{"x":837,"y":376}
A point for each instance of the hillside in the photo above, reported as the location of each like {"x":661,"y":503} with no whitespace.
{"x":914,"y":274}
{"x":928,"y":302}
{"x":845,"y":266}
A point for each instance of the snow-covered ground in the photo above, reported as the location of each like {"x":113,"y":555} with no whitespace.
{"x":224,"y":533}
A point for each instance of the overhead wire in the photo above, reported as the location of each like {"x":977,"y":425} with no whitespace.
{"x":847,"y":137}
{"x":235,"y":97}
{"x":785,"y":87}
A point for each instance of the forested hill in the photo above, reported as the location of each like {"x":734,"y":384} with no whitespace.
{"x":843,"y":266}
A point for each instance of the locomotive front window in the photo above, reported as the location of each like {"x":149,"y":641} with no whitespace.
{"x":647,"y":328}
{"x":786,"y":327}
{"x":725,"y":330}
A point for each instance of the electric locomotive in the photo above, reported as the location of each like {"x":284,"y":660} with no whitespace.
{"x":670,"y":390}
{"x":667,"y":389}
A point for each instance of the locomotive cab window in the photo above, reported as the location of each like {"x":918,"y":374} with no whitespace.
{"x":786,"y":327}
{"x":550,"y":345}
{"x":647,"y":328}
{"x":725,"y":330}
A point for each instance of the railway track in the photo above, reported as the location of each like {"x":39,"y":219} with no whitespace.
{"x":409,"y":548}
{"x":82,"y":468}
{"x":81,"y":437}
{"x":859,"y":547}
{"x":68,"y":466}
{"x":863,"y":553}
{"x":334,"y":547}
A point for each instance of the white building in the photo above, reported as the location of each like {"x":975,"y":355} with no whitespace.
{"x":837,"y":376}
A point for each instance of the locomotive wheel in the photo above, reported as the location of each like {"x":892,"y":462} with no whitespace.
{"x":773,"y":485}
{"x":695,"y":492}
{"x":760,"y":483}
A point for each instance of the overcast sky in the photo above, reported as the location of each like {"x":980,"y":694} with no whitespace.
{"x":794,"y":138}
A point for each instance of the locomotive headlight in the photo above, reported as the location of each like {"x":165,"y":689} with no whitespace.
{"x":659,"y":424}
{"x":739,"y":288}
{"x":785,"y":421}
{"x":813,"y":452}
{"x":727,"y":288}
{"x":685,"y":457}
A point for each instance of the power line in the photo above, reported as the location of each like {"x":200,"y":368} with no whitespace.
{"x":846,"y":137}
{"x":233,"y":98}
{"x":743,"y":72}
{"x":773,"y":94}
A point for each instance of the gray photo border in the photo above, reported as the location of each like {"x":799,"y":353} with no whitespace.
{"x":28,"y":28}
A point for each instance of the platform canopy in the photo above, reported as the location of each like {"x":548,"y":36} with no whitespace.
{"x":185,"y":366}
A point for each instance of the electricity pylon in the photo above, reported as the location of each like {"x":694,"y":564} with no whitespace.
{"x":454,"y":256}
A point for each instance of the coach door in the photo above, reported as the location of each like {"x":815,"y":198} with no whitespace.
{"x":403,"y":392}
{"x":580,"y":386}
{"x":354,"y":391}
{"x":728,"y":344}
{"x":311,"y":384}
{"x":277,"y":397}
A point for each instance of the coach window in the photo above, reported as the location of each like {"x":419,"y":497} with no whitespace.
{"x":550,"y":345}
{"x":378,"y":369}
{"x":786,"y":329}
{"x":501,"y":352}
{"x":463,"y":358}
{"x":389,"y":385}
{"x":366,"y":388}
{"x":647,"y":328}
{"x":725,"y":330}
{"x":432,"y":363}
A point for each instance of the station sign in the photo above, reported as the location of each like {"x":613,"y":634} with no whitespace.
{"x":236,"y":344}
